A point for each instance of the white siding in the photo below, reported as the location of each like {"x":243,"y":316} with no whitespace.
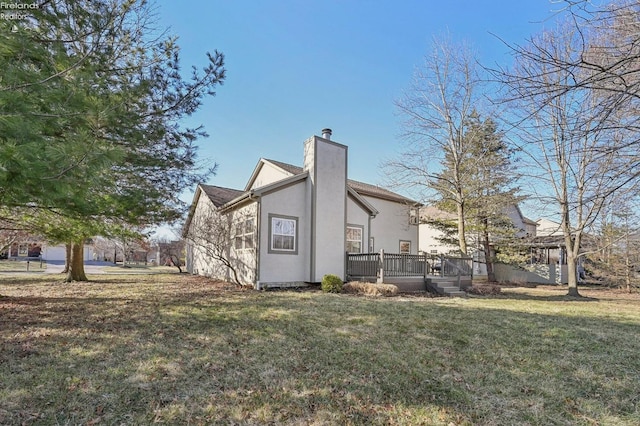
{"x":200,"y":260}
{"x":268,"y":174}
{"x":548,"y":227}
{"x":429,"y":240}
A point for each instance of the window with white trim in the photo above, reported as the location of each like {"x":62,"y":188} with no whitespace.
{"x":283,"y":234}
{"x":405,"y":247}
{"x":354,"y":239}
{"x":244,"y":235}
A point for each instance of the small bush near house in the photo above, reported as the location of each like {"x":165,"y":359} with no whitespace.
{"x":370,"y":289}
{"x":484,"y":289}
{"x":331,"y":284}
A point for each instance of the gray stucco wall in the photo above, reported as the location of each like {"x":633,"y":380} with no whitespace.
{"x":326,"y":162}
{"x":392,"y":225}
{"x":285,"y":267}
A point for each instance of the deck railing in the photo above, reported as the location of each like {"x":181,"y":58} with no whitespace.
{"x":363,"y":265}
{"x":381,"y":264}
{"x":449,"y":266}
{"x":404,"y":265}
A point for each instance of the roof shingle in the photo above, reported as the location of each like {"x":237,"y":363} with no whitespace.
{"x":219,"y":195}
{"x":360,"y":187}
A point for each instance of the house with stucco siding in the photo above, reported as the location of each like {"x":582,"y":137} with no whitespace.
{"x":291,"y":225}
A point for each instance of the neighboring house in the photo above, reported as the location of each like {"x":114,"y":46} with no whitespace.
{"x":430,"y":236}
{"x":525,"y":228}
{"x":292,"y":225}
{"x":25,"y":248}
{"x":548,"y":227}
{"x":37,"y":248}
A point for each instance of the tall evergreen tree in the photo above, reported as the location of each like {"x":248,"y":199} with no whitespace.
{"x":491,"y":187}
{"x":482,"y":177}
{"x":91,"y":103}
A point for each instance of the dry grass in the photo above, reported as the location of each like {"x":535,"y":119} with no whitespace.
{"x":370,"y":289}
{"x":172,"y":349}
{"x":22,"y":266}
{"x":484,"y":289}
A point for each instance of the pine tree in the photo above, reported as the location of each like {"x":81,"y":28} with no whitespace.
{"x":91,"y":103}
{"x":478,"y":180}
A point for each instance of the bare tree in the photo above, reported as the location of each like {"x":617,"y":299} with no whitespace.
{"x":616,"y":257}
{"x":577,"y":154}
{"x":437,"y":107}
{"x":171,"y":251}
{"x":219,"y":236}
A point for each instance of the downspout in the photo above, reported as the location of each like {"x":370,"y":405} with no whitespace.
{"x":418,"y":230}
{"x":369,"y":232}
{"x":257,"y":245}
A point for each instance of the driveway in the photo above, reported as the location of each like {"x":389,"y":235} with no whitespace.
{"x":90,"y":266}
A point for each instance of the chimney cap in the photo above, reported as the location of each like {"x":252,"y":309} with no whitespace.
{"x":326,"y":133}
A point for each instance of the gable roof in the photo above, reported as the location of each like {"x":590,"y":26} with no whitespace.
{"x":223,"y":198}
{"x":525,"y":219}
{"x":360,"y":188}
{"x":290,"y":168}
{"x":220,"y":195}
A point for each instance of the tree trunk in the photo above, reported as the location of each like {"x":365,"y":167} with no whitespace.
{"x":462,"y":239}
{"x":67,"y":258}
{"x":76,"y":266}
{"x":572,"y":273}
{"x":176,"y":262}
{"x":488,"y":259}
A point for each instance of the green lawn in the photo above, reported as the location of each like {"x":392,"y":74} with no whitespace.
{"x":175,"y":349}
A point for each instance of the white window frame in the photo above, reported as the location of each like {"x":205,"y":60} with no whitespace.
{"x":405,"y":242}
{"x":360,"y":229}
{"x":249,"y":232}
{"x":285,"y":226}
{"x":244,"y":235}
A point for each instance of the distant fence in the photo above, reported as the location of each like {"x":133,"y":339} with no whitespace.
{"x":373,"y":265}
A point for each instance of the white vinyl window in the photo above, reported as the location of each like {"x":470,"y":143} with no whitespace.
{"x":405,"y":247}
{"x":354,"y":239}
{"x":244,"y":235}
{"x":283,"y":234}
{"x":248,"y":233}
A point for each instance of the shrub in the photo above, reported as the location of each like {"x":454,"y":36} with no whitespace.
{"x":331,"y":284}
{"x":370,"y":289}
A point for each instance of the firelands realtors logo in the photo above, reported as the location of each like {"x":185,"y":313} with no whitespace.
{"x":16,"y":11}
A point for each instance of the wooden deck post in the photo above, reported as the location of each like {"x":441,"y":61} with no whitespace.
{"x":381,"y":271}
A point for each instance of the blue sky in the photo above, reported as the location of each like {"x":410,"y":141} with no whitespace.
{"x":297,"y":66}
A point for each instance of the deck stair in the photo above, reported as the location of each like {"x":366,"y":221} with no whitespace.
{"x":448,"y":286}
